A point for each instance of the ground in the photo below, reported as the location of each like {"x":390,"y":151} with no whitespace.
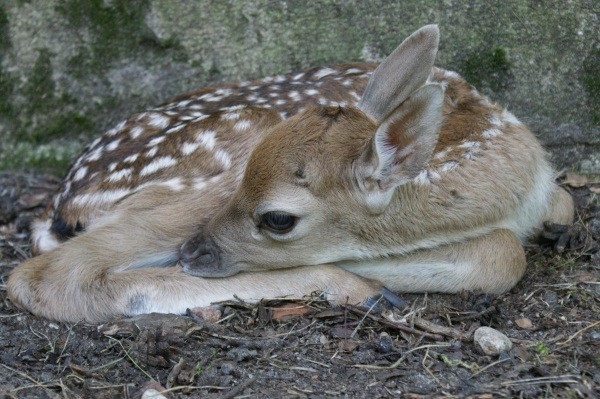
{"x":307,"y":348}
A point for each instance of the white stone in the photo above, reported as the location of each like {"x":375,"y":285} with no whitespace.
{"x":490,"y":341}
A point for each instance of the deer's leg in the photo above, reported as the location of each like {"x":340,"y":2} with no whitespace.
{"x":127,"y":265}
{"x":492,"y":263}
{"x":55,"y":286}
{"x":561,"y":210}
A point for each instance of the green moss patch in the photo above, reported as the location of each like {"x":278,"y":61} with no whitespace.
{"x":488,"y":69}
{"x":590,"y":78}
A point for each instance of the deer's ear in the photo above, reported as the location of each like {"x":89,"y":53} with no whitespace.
{"x":401,"y":73}
{"x":402,"y":146}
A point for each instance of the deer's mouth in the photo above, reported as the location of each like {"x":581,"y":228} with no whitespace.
{"x":201,"y":256}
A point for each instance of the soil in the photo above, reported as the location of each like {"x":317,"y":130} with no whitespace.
{"x":284,"y":348}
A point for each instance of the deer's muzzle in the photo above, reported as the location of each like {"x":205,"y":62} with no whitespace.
{"x":201,"y":256}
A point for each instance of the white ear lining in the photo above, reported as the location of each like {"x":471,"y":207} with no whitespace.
{"x":425,"y":130}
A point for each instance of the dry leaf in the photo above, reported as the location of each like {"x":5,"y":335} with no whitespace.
{"x":209,"y":313}
{"x":524,"y":323}
{"x":575,"y":180}
{"x":348,"y":345}
{"x":289,"y":310}
{"x":341,"y":332}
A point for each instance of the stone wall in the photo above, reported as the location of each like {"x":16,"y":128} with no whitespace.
{"x":70,"y":68}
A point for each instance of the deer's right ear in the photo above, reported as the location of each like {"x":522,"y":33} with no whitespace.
{"x":408,"y":112}
{"x":401,"y":147}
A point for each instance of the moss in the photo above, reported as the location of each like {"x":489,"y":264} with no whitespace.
{"x":45,"y":114}
{"x":4,"y":31}
{"x":590,"y":77}
{"x":40,"y":86}
{"x":67,"y":125}
{"x":52,"y":157}
{"x":116,"y":29}
{"x":488,"y":69}
{"x":6,"y":79}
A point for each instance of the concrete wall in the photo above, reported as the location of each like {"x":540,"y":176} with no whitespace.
{"x":71,"y":68}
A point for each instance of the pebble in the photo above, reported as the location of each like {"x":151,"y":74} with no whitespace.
{"x":490,"y":341}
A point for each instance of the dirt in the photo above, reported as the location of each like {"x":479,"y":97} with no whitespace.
{"x":306,"y":348}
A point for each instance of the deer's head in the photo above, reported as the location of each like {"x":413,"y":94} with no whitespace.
{"x":314,"y":185}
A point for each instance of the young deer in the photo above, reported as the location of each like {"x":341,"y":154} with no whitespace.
{"x":339,"y":179}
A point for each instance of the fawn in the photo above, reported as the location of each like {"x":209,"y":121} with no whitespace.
{"x":339,"y":179}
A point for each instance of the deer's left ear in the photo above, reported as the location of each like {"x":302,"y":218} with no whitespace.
{"x":402,"y":146}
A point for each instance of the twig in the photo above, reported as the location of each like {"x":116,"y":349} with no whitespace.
{"x":131,"y":359}
{"x":365,"y":316}
{"x":579,"y":333}
{"x":559,"y":379}
{"x":240,"y":388}
{"x":488,"y":366}
{"x":437,"y":329}
{"x":398,"y":326}
{"x":402,"y":358}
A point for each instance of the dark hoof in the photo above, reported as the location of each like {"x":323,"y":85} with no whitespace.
{"x":385,"y":300}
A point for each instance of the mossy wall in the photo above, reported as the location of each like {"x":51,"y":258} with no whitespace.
{"x":70,"y":69}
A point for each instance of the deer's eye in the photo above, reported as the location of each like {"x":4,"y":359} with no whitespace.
{"x":278,"y":222}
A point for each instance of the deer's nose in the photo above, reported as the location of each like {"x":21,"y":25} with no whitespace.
{"x":199,"y":256}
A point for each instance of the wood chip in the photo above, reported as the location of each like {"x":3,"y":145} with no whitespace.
{"x":575,"y":180}
{"x":288,"y":311}
{"x":524,"y":323}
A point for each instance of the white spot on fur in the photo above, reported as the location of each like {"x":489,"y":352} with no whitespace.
{"x":95,"y":142}
{"x":112,"y":166}
{"x":489,"y":133}
{"x":151,"y":152}
{"x":354,"y":94}
{"x":294,"y":95}
{"x":298,"y":76}
{"x":422,"y":178}
{"x":495,"y":121}
{"x":324,"y":72}
{"x":231,"y":116}
{"x":223,"y":91}
{"x":156,"y":141}
{"x":508,"y":117}
{"x":175,"y":129}
{"x":311,"y":92}
{"x":116,"y":129}
{"x":280,"y":102}
{"x":42,"y":236}
{"x":131,"y":158}
{"x":157,"y":164}
{"x":207,"y":139}
{"x":224,"y":158}
{"x":183,"y":103}
{"x":279,"y":79}
{"x":135,"y":132}
{"x":234,"y":108}
{"x":199,"y":183}
{"x":120,"y":175}
{"x":242,"y":125}
{"x":448,"y":165}
{"x":451,"y":75}
{"x":94,"y":199}
{"x":188,"y":148}
{"x":94,"y":155}
{"x":113,"y":145}
{"x":353,"y":70}
{"x":175,"y":184}
{"x":158,"y":120}
{"x":80,"y":173}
